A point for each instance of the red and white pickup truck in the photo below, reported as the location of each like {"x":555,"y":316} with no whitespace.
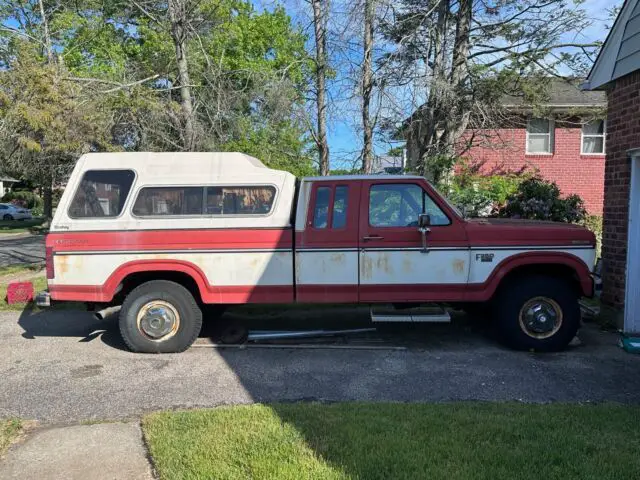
{"x":167,"y":235}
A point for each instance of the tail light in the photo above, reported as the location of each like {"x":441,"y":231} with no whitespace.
{"x":51,"y":273}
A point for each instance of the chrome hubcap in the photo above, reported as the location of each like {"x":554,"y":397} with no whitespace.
{"x":158,"y":320}
{"x":541,"y":317}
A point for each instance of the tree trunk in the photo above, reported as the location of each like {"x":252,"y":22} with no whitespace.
{"x":320,"y":23}
{"x":430,"y":126}
{"x":178,"y":20}
{"x":367,"y":86}
{"x":47,"y":195}
{"x":458,"y":120}
{"x":45,"y":33}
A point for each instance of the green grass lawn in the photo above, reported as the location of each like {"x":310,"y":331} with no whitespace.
{"x":397,"y":441}
{"x":9,"y":430}
{"x":20,"y":226}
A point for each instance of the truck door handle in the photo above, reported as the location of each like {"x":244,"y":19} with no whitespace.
{"x":368,"y":238}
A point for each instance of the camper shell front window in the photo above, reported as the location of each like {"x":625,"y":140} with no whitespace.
{"x":101,"y":193}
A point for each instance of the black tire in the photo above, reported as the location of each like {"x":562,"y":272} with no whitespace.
{"x":176,"y":296}
{"x":7,"y":217}
{"x":557,"y":293}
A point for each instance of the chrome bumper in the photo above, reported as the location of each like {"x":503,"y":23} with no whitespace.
{"x":43,"y":299}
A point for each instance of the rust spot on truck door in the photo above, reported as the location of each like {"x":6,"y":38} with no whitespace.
{"x":458,"y":266}
{"x":366,"y":267}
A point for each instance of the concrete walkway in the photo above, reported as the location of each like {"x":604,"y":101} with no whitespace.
{"x":108,"y":451}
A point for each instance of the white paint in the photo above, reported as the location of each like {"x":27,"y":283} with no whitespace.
{"x":480,"y":271}
{"x":221,"y":269}
{"x":393,"y":267}
{"x":632,"y":284}
{"x":327,"y":267}
{"x":182,"y":169}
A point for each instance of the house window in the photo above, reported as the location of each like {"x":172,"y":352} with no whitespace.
{"x":593,"y":137}
{"x":540,"y":135}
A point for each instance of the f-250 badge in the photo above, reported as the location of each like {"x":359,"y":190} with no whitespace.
{"x":484,"y":257}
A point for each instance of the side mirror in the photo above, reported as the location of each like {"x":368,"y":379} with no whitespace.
{"x":424,"y":220}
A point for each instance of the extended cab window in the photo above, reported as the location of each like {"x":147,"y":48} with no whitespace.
{"x":101,"y":193}
{"x":250,"y":200}
{"x":158,"y":201}
{"x":399,"y":205}
{"x":321,"y":209}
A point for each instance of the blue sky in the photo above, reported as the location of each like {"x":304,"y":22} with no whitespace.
{"x":344,"y":139}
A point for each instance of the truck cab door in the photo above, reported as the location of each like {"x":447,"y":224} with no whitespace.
{"x":394,"y":265}
{"x":326,"y":256}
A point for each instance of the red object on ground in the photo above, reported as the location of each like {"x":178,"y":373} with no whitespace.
{"x":19,"y":292}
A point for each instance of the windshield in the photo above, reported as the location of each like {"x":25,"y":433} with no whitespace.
{"x":447,"y":201}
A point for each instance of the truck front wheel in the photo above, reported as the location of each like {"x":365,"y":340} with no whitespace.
{"x":537,"y":313}
{"x":160,"y":317}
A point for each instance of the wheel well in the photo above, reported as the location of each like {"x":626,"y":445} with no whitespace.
{"x":556,"y":270}
{"x":136,"y":279}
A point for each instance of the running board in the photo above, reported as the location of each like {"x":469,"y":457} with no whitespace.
{"x":421,"y":314}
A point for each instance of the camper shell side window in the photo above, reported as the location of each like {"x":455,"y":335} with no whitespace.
{"x":205,"y":201}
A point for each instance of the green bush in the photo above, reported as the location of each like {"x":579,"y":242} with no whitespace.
{"x":481,"y":195}
{"x":594,"y":223}
{"x":25,"y":199}
{"x":539,"y":199}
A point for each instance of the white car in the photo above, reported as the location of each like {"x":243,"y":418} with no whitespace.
{"x":9,"y":211}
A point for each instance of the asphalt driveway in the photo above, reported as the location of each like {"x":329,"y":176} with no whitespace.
{"x":21,"y":249}
{"x":66,"y":366}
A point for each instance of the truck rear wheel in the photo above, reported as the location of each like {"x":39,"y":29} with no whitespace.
{"x":160,"y":317}
{"x":538,"y":313}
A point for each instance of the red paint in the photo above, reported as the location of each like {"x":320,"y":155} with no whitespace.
{"x":49,"y":265}
{"x":208,"y":293}
{"x":329,"y":237}
{"x":171,"y":239}
{"x":519,"y":233}
{"x":479,"y":292}
{"x":19,"y":292}
{"x":504,"y":150}
{"x":453,"y":235}
{"x":425,"y":292}
{"x":327,"y":293}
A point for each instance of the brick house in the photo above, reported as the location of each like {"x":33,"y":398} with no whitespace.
{"x":565,"y":144}
{"x":617,"y":72}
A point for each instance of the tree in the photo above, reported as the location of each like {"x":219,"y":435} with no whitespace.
{"x":454,"y":59}
{"x":367,"y":85}
{"x":45,"y":122}
{"x":320,"y":19}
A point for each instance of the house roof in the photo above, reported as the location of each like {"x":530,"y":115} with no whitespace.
{"x":6,"y":178}
{"x":563,"y":93}
{"x":620,"y":54}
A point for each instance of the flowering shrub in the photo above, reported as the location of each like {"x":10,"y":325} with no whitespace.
{"x":539,"y":199}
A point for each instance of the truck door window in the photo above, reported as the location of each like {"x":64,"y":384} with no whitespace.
{"x":399,"y":205}
{"x":321,"y":208}
{"x":101,"y":193}
{"x":340,"y":204}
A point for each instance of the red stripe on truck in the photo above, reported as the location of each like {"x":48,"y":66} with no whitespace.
{"x":232,"y":238}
